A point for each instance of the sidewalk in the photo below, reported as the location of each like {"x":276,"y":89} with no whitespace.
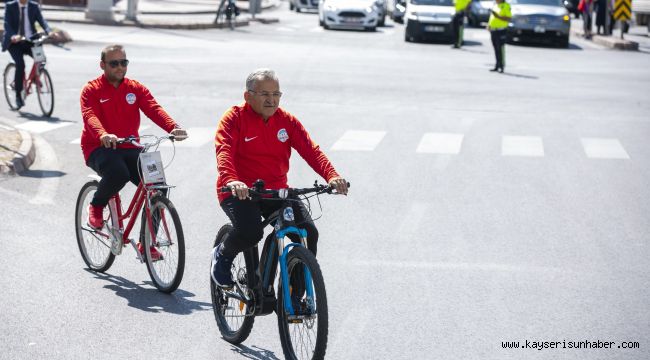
{"x":168,"y":14}
{"x":636,"y":39}
{"x":16,"y":150}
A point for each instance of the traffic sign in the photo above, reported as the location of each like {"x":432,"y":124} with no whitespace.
{"x":623,"y":9}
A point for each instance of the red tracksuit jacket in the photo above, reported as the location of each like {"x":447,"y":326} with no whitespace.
{"x":109,"y":110}
{"x":249,"y":149}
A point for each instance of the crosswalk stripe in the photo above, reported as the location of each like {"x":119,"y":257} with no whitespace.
{"x":197,"y":136}
{"x":601,"y":148}
{"x":358,"y":140}
{"x":77,"y":141}
{"x":39,"y":127}
{"x":522,"y":146}
{"x":440,"y":143}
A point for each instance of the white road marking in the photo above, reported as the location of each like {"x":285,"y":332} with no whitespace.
{"x":143,"y":127}
{"x":197,"y":137}
{"x":359,"y":140}
{"x":522,"y":146}
{"x":440,"y":143}
{"x":599,"y":148}
{"x":45,"y":161}
{"x":39,"y":127}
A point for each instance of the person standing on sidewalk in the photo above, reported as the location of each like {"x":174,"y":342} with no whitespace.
{"x":457,"y":23}
{"x":20,"y":24}
{"x":110,"y":108}
{"x":497,"y":24}
{"x":587,"y":9}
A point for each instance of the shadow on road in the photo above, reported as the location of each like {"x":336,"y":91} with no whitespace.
{"x":42,"y":173}
{"x":531,"y":77}
{"x":150,"y":299}
{"x":257,"y":353}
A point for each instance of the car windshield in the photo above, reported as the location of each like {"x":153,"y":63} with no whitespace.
{"x":433,"y":2}
{"x":536,"y":2}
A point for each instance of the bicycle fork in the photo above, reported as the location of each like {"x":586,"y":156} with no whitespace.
{"x":283,"y":252}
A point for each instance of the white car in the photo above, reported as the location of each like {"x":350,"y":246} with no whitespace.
{"x":428,"y":20}
{"x":351,"y":14}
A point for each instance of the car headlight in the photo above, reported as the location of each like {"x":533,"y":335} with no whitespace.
{"x":400,"y":7}
{"x":369,"y":9}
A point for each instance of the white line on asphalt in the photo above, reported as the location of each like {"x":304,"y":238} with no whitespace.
{"x":77,"y":141}
{"x":359,"y":140}
{"x":522,"y":146}
{"x":411,"y":221}
{"x":197,"y":136}
{"x":440,"y":143}
{"x":598,"y":148}
{"x":48,"y":163}
{"x":41,"y":126}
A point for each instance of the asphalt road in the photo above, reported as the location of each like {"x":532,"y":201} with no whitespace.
{"x":484,"y":208}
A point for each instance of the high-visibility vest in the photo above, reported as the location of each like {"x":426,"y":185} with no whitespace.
{"x":461,"y":4}
{"x":502,"y":9}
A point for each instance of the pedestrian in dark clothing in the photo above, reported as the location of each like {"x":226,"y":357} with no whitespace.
{"x":601,"y":16}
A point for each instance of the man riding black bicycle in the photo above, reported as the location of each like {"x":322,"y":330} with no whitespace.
{"x":20,"y":24}
{"x":254,"y":141}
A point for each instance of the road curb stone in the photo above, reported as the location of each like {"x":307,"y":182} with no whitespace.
{"x":24,"y":157}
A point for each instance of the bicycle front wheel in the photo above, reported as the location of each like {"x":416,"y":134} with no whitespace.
{"x":304,"y":334}
{"x":9,"y":82}
{"x":167,"y":239}
{"x":234,"y":318}
{"x":45,"y":91}
{"x":95,"y":249}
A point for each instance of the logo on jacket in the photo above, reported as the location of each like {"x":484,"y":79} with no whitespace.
{"x":283,"y":135}
{"x":130,"y":98}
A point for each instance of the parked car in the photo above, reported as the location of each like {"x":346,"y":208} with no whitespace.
{"x":300,"y":5}
{"x":542,"y":21}
{"x":479,"y":12}
{"x":350,"y":14}
{"x":572,"y":6}
{"x":428,"y":20}
{"x":396,"y":9}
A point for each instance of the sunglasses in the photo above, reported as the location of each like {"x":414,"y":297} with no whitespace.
{"x":115,"y":63}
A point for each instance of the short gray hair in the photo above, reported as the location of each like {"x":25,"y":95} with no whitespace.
{"x":260,"y":75}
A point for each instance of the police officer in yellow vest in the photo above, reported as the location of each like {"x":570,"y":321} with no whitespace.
{"x":458,"y":20}
{"x":497,"y":24}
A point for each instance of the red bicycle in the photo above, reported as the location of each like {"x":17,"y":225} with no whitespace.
{"x":160,"y":227}
{"x":38,"y":76}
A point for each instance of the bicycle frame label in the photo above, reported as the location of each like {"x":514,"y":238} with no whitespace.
{"x":38,"y":54}
{"x":152,"y":167}
{"x":288,"y":214}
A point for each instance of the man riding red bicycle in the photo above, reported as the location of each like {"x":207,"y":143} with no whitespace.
{"x":110,"y":107}
{"x":20,"y":24}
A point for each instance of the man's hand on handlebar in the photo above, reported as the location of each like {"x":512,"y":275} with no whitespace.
{"x":179,"y":134}
{"x":238,"y":189}
{"x":17,"y":39}
{"x":109,"y":141}
{"x":340,"y":185}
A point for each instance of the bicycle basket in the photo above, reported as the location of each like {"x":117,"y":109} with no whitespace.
{"x":38,"y":54}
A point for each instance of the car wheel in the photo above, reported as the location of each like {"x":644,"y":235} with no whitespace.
{"x":382,"y":21}
{"x":291,"y":7}
{"x":371,"y":28}
{"x":297,"y":9}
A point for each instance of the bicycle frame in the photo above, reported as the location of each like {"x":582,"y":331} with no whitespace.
{"x":33,"y":78}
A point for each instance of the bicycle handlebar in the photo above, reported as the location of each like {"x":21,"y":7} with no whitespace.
{"x":134,"y":140}
{"x":258,"y":191}
{"x":36,"y":39}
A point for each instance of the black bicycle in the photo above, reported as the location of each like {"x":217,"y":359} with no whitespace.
{"x":301,"y":302}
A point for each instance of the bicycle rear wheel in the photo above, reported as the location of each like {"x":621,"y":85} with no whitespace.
{"x":167,"y":238}
{"x":303,"y":335}
{"x":95,"y":249}
{"x":45,"y":91}
{"x":9,"y":83}
{"x":234,"y":318}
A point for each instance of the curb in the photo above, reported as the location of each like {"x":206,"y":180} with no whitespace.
{"x":24,"y":158}
{"x":610,"y":41}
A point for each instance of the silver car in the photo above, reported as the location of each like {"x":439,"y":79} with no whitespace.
{"x":541,"y":21}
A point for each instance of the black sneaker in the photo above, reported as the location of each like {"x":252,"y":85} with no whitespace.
{"x":220,"y":269}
